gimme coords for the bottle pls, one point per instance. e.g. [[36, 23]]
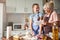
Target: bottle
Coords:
[[8, 34], [55, 31], [44, 37]]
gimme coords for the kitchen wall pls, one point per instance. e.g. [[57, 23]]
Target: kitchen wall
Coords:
[[17, 17], [57, 5]]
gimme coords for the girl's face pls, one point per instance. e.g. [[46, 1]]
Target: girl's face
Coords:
[[36, 9]]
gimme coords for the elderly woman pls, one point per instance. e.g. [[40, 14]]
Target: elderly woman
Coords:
[[50, 16]]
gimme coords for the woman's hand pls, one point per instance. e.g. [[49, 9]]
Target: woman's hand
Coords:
[[39, 33], [40, 37], [44, 23]]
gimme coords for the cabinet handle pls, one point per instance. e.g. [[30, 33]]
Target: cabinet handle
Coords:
[[25, 9]]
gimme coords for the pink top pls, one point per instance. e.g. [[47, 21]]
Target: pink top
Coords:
[[53, 17]]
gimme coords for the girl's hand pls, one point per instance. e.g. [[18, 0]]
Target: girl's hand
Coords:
[[33, 33]]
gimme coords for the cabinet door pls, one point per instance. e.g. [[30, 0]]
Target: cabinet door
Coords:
[[20, 6], [11, 6], [29, 4]]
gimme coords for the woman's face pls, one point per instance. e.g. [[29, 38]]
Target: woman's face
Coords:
[[47, 10], [36, 8]]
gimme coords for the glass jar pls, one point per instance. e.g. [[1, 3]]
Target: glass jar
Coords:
[[55, 31]]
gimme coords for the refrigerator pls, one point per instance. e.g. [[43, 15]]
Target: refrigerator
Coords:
[[2, 19]]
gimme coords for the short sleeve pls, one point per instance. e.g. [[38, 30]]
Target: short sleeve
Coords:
[[30, 17], [40, 14], [53, 17]]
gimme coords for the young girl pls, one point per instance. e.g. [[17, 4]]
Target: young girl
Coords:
[[34, 19]]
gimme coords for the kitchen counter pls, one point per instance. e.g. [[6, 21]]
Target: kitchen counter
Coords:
[[11, 38], [17, 32]]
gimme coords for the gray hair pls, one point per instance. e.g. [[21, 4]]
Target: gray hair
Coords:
[[49, 5]]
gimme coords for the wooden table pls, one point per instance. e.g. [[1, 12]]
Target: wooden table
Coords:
[[11, 38]]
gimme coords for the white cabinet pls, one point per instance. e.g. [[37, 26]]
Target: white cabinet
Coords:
[[10, 6], [28, 6], [22, 6], [11, 3], [11, 10]]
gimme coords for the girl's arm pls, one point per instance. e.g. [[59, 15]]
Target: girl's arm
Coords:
[[30, 21], [31, 27]]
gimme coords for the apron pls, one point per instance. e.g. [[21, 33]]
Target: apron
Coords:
[[35, 27], [47, 28]]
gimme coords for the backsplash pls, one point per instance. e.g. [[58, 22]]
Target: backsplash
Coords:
[[17, 17]]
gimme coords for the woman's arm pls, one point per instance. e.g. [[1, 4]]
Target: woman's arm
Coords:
[[53, 17], [40, 26]]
